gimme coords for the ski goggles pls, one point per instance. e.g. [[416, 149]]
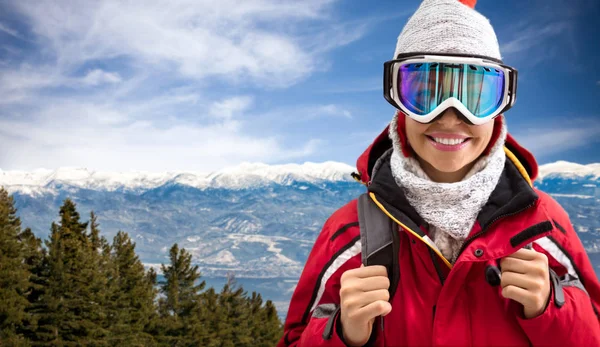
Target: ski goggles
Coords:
[[424, 85]]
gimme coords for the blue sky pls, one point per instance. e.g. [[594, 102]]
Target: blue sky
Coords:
[[200, 85]]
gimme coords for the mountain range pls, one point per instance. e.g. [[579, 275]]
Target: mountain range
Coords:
[[257, 221]]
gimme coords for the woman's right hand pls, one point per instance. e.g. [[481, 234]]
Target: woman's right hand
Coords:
[[364, 295]]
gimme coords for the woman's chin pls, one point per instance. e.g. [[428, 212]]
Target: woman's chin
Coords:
[[448, 167]]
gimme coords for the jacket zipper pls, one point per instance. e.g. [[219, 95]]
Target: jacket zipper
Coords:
[[487, 228]]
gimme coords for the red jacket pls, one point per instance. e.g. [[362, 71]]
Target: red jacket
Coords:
[[439, 304]]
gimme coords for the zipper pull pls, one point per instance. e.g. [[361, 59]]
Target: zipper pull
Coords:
[[559, 295], [381, 322]]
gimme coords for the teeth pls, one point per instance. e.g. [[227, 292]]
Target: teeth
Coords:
[[449, 142]]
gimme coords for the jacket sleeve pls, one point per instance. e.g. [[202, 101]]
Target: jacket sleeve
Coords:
[[313, 315], [571, 317]]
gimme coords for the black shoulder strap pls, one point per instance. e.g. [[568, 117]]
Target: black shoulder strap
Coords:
[[379, 239]]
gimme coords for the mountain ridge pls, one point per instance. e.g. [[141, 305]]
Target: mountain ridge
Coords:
[[245, 175], [238, 177]]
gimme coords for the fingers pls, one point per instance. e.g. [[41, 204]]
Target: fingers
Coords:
[[529, 299], [359, 292], [351, 286], [536, 267], [373, 283], [526, 254], [365, 278], [516, 293], [366, 298], [516, 265], [519, 280], [366, 271], [374, 309]]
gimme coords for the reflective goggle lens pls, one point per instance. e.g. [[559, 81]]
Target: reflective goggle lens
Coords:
[[423, 86]]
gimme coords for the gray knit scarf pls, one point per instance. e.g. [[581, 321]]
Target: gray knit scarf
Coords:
[[450, 209]]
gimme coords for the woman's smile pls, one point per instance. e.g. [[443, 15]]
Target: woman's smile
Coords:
[[448, 142]]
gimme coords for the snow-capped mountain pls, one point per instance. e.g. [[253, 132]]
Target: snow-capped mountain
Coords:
[[566, 169], [255, 220], [246, 175], [264, 216]]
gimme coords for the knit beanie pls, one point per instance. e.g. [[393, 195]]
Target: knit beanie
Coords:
[[446, 26]]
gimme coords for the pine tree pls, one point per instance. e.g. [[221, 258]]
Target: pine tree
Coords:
[[255, 307], [70, 312], [271, 329], [179, 308], [234, 319], [99, 275], [97, 241], [14, 274], [131, 295], [36, 261], [211, 319], [235, 314]]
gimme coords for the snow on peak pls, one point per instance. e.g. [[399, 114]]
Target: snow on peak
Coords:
[[250, 174], [223, 257], [44, 180], [568, 169], [242, 176]]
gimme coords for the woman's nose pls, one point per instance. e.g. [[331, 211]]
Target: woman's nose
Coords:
[[449, 117]]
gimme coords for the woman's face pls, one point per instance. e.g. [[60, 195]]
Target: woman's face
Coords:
[[448, 147]]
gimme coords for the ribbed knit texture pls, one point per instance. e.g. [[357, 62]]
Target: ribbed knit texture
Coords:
[[450, 209], [448, 26]]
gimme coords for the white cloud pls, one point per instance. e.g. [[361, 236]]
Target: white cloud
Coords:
[[9, 31], [101, 137], [265, 41], [532, 36], [229, 107], [97, 76], [285, 116], [21, 85], [332, 110], [546, 141], [17, 85], [355, 86]]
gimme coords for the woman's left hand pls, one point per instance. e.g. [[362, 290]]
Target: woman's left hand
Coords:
[[526, 279]]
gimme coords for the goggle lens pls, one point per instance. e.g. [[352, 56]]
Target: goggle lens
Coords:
[[421, 87]]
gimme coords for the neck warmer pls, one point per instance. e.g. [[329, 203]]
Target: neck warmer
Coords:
[[449, 209]]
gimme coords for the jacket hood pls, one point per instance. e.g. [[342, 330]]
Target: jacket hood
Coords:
[[366, 161]]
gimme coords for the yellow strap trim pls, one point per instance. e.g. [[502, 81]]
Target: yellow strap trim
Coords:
[[409, 230], [520, 167]]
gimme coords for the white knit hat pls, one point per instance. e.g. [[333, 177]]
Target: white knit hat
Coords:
[[448, 26]]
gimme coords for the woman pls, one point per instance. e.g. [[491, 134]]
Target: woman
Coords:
[[458, 188]]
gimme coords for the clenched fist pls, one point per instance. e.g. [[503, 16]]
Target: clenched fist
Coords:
[[526, 279], [364, 295]]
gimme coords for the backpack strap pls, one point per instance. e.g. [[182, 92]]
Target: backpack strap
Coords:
[[380, 242]]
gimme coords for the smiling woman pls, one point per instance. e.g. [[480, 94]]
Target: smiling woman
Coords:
[[449, 215]]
